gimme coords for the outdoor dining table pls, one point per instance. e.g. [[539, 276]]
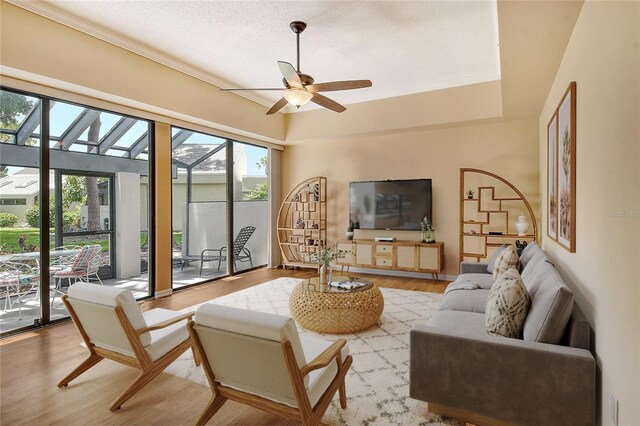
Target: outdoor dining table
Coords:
[[35, 255]]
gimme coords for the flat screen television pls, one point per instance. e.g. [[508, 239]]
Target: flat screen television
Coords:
[[390, 204]]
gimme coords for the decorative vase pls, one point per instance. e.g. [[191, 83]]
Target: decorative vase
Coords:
[[325, 274], [316, 192], [522, 225], [349, 235], [423, 236], [430, 236]]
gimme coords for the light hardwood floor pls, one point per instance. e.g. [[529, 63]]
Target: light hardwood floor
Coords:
[[32, 363]]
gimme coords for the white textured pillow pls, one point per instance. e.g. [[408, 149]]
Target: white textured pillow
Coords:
[[507, 305], [508, 259]]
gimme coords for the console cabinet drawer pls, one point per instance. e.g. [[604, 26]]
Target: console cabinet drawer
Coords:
[[384, 262], [384, 249]]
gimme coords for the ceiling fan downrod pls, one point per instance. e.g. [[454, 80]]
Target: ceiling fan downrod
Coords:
[[298, 27]]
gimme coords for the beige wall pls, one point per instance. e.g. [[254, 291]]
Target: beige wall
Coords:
[[507, 148], [603, 58]]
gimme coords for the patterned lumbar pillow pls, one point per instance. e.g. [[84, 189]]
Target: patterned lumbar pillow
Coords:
[[508, 259], [507, 305]]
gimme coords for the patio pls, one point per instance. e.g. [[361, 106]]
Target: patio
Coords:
[[11, 318]]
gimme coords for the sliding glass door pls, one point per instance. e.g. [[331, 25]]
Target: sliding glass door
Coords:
[[208, 173], [199, 207], [250, 207], [92, 181]]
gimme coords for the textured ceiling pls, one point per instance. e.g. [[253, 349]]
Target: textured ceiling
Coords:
[[402, 47]]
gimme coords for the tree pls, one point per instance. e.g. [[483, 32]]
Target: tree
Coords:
[[260, 192], [12, 106], [74, 189], [93, 194], [262, 163]]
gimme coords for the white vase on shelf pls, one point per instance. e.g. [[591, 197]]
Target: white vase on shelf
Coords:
[[522, 225]]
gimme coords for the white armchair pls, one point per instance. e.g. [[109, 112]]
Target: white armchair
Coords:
[[113, 326], [259, 359]]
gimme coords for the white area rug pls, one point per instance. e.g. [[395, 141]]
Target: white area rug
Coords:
[[378, 381]]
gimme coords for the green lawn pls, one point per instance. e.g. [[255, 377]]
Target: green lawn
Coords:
[[9, 239]]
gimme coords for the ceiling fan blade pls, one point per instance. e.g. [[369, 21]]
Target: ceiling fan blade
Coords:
[[327, 103], [235, 90], [277, 106], [289, 73], [339, 85]]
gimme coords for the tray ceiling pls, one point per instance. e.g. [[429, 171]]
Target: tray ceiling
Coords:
[[402, 47]]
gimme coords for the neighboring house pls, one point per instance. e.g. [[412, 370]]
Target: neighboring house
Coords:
[[18, 192]]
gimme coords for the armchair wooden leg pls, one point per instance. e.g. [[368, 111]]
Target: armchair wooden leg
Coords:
[[84, 366], [343, 395], [212, 407], [144, 378]]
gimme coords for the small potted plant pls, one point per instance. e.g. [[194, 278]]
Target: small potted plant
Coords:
[[470, 194], [350, 231], [427, 234]]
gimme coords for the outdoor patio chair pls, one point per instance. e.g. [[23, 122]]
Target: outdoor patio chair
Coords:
[[86, 263], [259, 359], [113, 326], [240, 252], [17, 279]]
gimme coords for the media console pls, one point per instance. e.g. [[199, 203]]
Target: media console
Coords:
[[397, 255]]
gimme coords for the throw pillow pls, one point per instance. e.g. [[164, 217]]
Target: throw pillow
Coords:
[[492, 260], [507, 305], [508, 259]]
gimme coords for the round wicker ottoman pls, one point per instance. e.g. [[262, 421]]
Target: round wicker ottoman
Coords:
[[324, 309]]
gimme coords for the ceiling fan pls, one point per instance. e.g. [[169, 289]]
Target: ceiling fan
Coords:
[[300, 88]]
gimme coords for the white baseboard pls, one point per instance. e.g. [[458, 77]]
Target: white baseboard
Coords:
[[163, 293], [396, 273]]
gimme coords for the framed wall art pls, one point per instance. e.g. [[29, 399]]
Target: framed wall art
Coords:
[[561, 172], [552, 178]]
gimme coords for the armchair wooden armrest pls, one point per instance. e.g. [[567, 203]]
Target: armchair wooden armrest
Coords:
[[164, 324], [322, 360], [140, 302]]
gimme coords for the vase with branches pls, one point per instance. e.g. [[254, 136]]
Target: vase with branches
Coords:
[[324, 256]]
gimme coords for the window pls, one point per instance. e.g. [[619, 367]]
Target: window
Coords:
[[91, 195], [13, 202]]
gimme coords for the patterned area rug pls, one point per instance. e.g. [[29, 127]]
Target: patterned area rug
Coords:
[[378, 381]]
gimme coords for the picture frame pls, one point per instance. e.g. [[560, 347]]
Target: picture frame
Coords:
[[552, 177], [561, 172]]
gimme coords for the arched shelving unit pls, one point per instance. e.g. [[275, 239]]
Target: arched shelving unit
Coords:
[[487, 218], [302, 223]]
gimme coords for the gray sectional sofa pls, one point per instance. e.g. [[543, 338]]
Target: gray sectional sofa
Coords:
[[546, 378]]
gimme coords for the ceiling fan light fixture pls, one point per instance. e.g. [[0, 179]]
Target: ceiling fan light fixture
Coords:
[[298, 97]]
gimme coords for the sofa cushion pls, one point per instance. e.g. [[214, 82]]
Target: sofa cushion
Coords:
[[484, 281], [507, 259], [466, 322], [492, 260], [507, 305], [466, 300], [529, 271], [551, 304]]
